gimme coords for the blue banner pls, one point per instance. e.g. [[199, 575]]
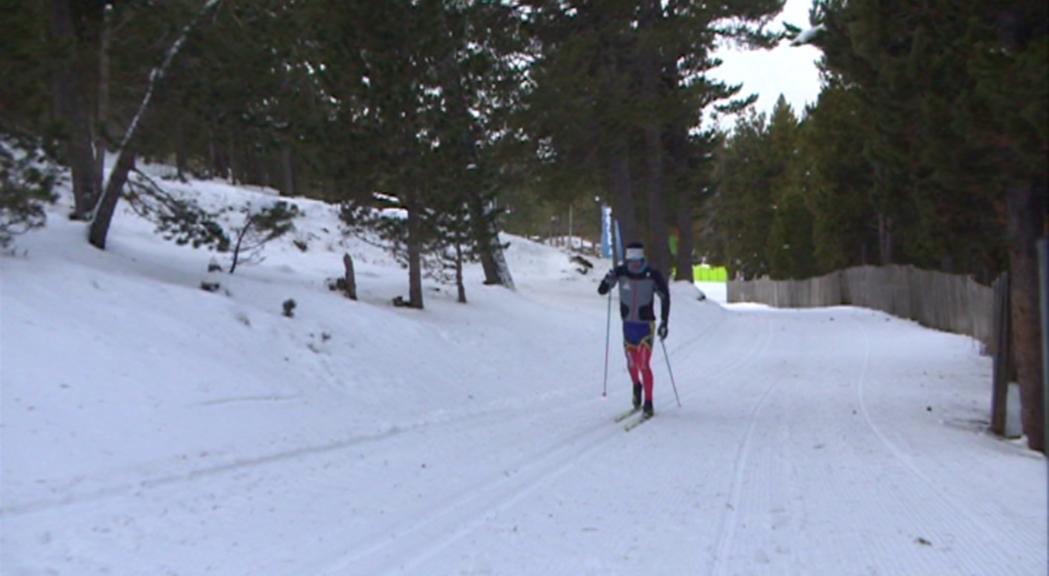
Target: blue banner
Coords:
[[606, 232], [619, 242]]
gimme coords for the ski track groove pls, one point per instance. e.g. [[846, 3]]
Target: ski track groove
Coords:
[[730, 518], [502, 501], [948, 508], [530, 471], [243, 463], [756, 348]]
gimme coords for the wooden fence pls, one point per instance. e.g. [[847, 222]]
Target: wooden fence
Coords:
[[947, 302]]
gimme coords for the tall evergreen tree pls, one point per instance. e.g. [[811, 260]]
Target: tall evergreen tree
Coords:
[[618, 86], [955, 97]]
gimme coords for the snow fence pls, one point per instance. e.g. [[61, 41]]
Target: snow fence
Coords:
[[942, 301]]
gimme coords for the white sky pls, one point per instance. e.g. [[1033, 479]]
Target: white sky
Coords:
[[786, 70]]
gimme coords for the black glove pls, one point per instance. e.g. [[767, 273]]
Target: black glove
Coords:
[[606, 284], [662, 331]]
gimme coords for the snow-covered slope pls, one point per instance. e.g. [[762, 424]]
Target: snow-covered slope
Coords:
[[150, 427]]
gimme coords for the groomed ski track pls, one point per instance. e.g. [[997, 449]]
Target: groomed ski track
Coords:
[[795, 452], [817, 442]]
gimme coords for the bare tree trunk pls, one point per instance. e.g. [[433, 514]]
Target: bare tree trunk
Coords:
[[350, 277], [658, 252], [215, 168], [233, 161], [678, 151], [108, 203], [287, 170], [415, 276], [240, 239], [71, 107], [102, 110], [684, 242], [180, 151], [1025, 206], [459, 273], [481, 238], [620, 189], [884, 239]]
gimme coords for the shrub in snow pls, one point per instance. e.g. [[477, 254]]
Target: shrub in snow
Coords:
[[178, 219], [440, 241], [289, 307], [584, 265], [27, 180], [259, 227], [210, 286]]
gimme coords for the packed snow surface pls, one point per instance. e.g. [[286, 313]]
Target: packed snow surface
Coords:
[[152, 428]]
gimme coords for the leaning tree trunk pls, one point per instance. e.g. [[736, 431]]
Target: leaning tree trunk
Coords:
[[1025, 206], [107, 202], [71, 108]]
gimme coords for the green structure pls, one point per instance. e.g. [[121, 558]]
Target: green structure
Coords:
[[702, 273]]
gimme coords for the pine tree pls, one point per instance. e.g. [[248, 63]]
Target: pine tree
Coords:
[[744, 197], [954, 95], [840, 181]]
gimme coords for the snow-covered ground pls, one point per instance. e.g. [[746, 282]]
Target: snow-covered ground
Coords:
[[149, 427], [716, 291]]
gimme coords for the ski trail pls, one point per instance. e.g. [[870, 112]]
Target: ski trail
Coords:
[[412, 546], [530, 472], [947, 507], [730, 519], [681, 354], [450, 421]]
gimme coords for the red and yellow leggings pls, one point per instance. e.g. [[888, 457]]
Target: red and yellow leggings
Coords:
[[637, 343]]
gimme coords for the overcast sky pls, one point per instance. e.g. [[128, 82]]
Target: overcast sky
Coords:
[[786, 70]]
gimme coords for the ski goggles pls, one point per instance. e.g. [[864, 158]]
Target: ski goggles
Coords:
[[635, 254]]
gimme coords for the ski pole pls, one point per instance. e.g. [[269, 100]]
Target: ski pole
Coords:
[[671, 372], [608, 335]]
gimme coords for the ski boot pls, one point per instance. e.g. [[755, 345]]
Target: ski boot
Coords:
[[647, 410], [637, 396]]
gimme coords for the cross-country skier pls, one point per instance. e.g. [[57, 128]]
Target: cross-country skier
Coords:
[[638, 286]]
